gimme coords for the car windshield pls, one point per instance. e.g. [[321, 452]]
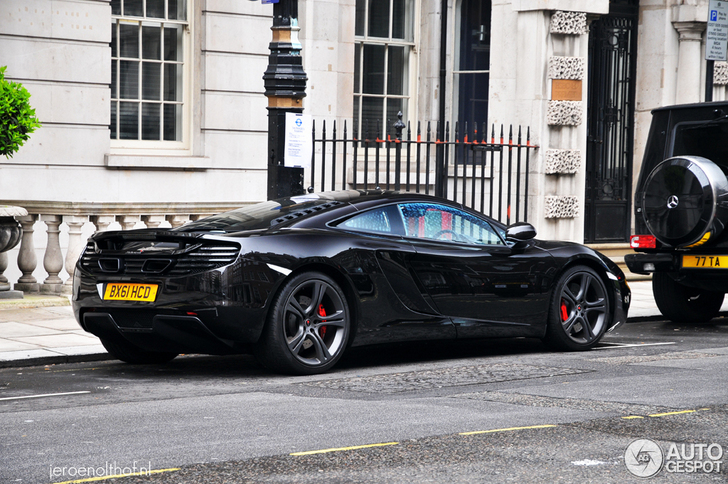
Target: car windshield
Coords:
[[260, 215]]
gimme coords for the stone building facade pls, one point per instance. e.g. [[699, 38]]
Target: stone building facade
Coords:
[[160, 103]]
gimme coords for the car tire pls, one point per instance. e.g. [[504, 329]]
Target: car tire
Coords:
[[579, 311], [129, 353], [684, 200], [683, 304], [308, 326]]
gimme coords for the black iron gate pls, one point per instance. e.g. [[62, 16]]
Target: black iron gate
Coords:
[[486, 170], [610, 128]]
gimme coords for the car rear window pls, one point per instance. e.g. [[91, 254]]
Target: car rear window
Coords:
[[706, 139], [261, 215]]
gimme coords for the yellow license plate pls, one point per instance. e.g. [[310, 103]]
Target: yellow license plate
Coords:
[[705, 261], [130, 292]]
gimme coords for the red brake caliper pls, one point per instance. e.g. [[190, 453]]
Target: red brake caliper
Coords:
[[322, 313], [564, 311]]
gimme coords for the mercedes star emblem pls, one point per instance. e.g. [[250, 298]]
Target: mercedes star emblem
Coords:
[[672, 201]]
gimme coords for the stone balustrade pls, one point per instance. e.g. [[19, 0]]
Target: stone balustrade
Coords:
[[76, 215]]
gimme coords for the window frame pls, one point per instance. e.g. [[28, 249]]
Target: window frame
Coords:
[[399, 224], [183, 146], [453, 211], [410, 43]]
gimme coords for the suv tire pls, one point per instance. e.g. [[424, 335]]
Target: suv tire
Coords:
[[684, 199], [683, 304]]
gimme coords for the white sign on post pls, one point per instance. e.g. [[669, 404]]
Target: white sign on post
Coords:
[[298, 142], [716, 35]]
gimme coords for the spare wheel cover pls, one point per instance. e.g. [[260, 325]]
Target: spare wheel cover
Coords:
[[683, 198]]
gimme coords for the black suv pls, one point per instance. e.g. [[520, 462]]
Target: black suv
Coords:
[[681, 211]]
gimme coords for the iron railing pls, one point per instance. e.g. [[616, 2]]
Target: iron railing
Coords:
[[488, 174]]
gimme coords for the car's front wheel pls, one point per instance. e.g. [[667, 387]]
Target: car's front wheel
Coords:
[[129, 353], [308, 326], [579, 310], [683, 304]]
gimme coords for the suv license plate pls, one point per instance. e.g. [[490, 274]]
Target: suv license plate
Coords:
[[130, 292], [705, 261]]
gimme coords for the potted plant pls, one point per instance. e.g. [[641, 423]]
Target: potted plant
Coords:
[[17, 117]]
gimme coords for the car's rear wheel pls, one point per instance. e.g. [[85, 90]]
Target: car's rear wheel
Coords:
[[683, 304], [579, 310], [684, 199], [308, 326], [129, 353]]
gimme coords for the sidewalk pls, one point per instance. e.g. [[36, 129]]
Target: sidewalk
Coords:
[[41, 330]]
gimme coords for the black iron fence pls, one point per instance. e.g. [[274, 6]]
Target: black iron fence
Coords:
[[485, 173]]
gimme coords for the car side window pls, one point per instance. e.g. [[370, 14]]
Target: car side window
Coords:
[[385, 220], [446, 224]]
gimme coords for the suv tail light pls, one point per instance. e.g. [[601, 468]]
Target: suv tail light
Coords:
[[643, 242]]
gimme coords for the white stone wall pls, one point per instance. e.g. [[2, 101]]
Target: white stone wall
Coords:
[[535, 42], [59, 50], [327, 36]]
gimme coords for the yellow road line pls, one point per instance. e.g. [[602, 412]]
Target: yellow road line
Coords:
[[632, 416], [103, 478], [506, 430], [671, 413], [339, 449]]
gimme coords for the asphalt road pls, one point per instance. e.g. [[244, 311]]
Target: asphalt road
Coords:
[[478, 411]]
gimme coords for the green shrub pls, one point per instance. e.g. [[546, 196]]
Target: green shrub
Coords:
[[17, 118]]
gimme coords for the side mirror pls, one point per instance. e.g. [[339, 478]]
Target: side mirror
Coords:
[[520, 232]]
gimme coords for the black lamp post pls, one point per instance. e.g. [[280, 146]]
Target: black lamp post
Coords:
[[285, 88]]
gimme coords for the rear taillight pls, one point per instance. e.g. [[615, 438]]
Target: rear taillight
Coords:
[[643, 242]]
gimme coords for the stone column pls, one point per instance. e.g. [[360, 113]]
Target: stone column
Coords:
[[53, 259], [689, 63], [102, 222], [127, 222], [75, 245], [152, 221], [690, 19], [27, 261], [177, 220]]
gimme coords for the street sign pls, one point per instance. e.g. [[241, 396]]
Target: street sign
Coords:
[[716, 36]]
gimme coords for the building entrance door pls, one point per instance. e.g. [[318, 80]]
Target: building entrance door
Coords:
[[610, 123]]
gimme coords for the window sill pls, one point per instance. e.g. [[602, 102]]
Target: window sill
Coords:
[[158, 162]]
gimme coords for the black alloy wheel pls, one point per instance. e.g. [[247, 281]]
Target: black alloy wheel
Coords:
[[579, 310], [129, 353], [308, 326], [683, 304]]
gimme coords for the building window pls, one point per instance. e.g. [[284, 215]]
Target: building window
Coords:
[[384, 55], [147, 69], [473, 74]]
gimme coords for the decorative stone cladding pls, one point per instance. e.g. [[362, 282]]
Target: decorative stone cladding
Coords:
[[561, 207], [570, 23], [561, 67], [564, 113], [720, 73], [562, 162]]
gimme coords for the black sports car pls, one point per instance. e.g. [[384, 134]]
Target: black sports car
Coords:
[[300, 279]]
